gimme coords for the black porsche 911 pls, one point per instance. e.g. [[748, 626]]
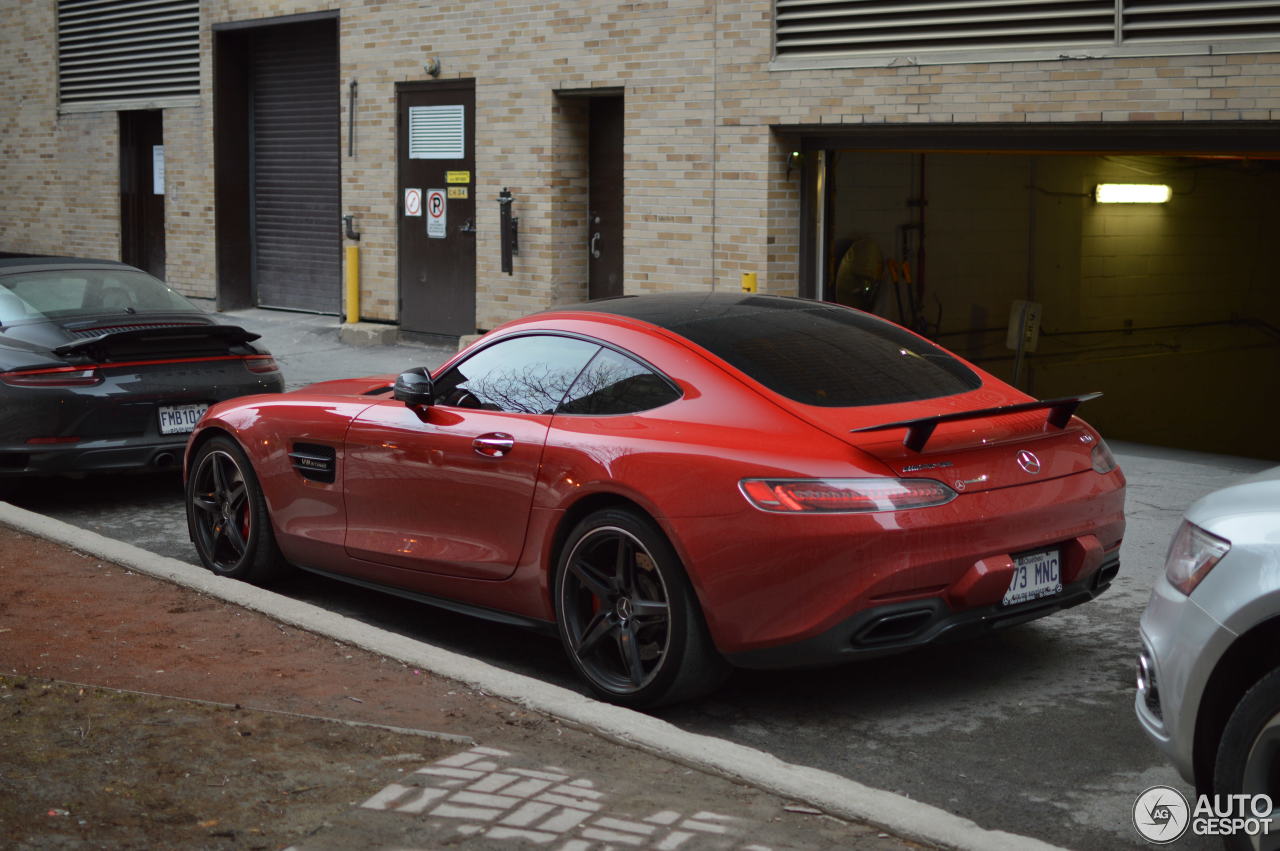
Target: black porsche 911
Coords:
[[103, 368]]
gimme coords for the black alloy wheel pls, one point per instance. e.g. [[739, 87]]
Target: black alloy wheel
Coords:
[[628, 617], [227, 515]]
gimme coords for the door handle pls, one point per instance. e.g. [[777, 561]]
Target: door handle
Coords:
[[495, 444], [595, 252]]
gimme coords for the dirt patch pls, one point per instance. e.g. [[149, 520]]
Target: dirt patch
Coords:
[[89, 767], [108, 738]]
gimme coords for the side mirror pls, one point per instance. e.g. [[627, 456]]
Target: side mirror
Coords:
[[413, 388]]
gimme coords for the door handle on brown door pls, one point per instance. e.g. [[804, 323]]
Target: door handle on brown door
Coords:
[[595, 252], [495, 444]]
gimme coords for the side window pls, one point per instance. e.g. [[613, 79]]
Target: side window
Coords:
[[615, 384], [525, 375]]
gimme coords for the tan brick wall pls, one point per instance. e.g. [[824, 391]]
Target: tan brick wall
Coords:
[[58, 175], [707, 197], [188, 201]]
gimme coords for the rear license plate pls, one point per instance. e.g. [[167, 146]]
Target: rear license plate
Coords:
[[180, 419], [1035, 575]]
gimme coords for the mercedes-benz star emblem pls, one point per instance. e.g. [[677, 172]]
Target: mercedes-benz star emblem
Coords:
[[1029, 462]]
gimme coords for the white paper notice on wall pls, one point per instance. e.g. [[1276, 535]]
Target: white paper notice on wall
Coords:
[[1024, 326], [436, 213], [413, 202], [157, 169]]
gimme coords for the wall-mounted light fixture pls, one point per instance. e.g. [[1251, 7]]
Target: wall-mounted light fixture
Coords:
[[432, 66], [1132, 193], [795, 159]]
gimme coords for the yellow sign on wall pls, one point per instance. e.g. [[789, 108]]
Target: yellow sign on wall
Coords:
[[458, 192], [457, 177]]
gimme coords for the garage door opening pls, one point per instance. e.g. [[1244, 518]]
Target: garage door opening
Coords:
[[1171, 309], [277, 170]]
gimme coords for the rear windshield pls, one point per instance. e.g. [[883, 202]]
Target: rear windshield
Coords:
[[69, 293], [812, 352]]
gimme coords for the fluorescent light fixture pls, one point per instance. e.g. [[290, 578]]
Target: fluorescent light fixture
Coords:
[[1132, 193]]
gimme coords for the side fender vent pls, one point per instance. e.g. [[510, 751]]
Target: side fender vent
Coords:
[[314, 461]]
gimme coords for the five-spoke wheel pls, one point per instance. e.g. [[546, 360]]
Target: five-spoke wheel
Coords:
[[627, 615], [227, 515]]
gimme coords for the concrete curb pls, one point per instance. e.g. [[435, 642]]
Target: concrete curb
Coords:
[[831, 793]]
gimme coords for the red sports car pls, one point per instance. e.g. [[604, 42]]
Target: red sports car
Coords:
[[677, 484]]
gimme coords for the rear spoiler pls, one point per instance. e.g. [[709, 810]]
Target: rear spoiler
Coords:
[[230, 334], [919, 431]]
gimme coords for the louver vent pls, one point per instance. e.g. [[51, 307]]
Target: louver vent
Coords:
[[817, 28], [128, 50], [437, 132], [1185, 20], [809, 27]]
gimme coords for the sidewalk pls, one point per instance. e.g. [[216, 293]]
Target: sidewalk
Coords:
[[123, 758], [309, 349]]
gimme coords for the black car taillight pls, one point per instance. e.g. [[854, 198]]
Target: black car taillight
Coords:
[[59, 376], [261, 364]]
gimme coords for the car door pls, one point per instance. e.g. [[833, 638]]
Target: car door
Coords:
[[448, 488]]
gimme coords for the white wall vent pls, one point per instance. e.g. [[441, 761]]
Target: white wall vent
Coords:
[[437, 132], [1186, 20], [832, 28], [128, 50]]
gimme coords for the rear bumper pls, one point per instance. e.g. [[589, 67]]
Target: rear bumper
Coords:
[[114, 426], [768, 580], [894, 628], [125, 455]]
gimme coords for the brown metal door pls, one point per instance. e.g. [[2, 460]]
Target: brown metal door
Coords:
[[142, 190], [437, 207], [604, 222]]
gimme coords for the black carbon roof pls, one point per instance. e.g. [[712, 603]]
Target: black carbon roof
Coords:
[[671, 310], [813, 352]]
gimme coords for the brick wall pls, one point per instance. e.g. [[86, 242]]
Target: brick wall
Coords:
[[58, 177], [708, 193]]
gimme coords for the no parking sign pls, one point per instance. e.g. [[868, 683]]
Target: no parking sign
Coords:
[[436, 213]]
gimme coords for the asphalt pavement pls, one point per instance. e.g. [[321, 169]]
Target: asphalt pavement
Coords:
[[1030, 732]]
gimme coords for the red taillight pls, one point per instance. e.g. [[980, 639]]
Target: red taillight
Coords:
[[1103, 460], [844, 496], [47, 440], [60, 376], [261, 363]]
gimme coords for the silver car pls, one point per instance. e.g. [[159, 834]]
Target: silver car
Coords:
[[1209, 672]]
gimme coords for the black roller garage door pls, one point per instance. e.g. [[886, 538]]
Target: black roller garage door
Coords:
[[296, 142]]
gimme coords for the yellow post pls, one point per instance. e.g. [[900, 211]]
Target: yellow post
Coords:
[[748, 282], [353, 284]]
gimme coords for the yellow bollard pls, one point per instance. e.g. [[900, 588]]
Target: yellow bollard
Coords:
[[353, 284], [748, 282]]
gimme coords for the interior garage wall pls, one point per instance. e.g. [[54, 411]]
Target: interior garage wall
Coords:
[[1152, 304]]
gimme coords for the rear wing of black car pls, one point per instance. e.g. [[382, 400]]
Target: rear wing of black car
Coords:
[[919, 431], [193, 339]]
